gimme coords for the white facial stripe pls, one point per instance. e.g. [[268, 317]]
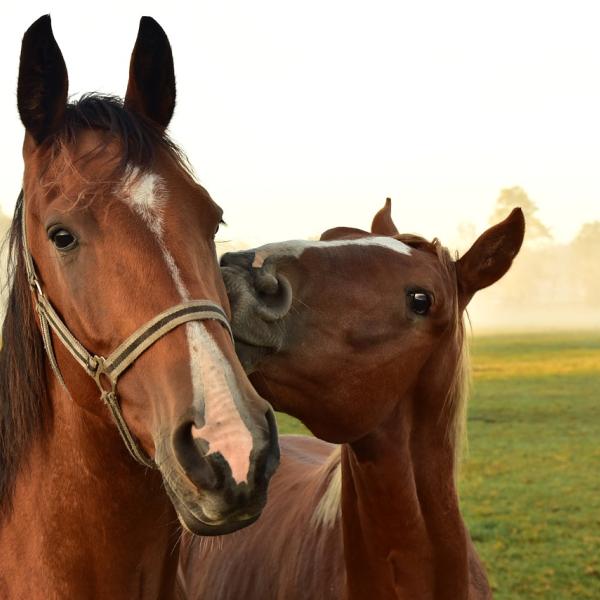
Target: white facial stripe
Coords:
[[146, 192], [213, 381], [295, 248]]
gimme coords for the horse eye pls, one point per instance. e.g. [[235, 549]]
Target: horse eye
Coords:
[[419, 302], [63, 239]]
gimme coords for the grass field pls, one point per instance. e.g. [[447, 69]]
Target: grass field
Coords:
[[530, 485]]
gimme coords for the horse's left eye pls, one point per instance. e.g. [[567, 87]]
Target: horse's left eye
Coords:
[[419, 302], [62, 239]]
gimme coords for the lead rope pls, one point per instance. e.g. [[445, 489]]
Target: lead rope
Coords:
[[106, 371]]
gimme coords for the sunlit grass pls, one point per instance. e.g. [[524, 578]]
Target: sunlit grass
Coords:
[[530, 486]]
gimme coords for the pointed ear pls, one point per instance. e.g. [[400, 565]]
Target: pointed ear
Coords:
[[43, 81], [490, 256], [151, 87], [382, 221]]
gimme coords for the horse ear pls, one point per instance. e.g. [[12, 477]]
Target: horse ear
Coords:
[[382, 221], [43, 81], [151, 87], [490, 257], [342, 233]]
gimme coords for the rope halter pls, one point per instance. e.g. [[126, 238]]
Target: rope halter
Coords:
[[105, 371]]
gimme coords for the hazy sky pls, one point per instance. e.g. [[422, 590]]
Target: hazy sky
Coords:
[[306, 115]]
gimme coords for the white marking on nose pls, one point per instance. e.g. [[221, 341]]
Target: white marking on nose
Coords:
[[213, 381], [295, 248]]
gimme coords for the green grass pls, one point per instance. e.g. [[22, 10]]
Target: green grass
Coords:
[[530, 485]]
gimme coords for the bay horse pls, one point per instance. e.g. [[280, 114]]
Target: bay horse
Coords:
[[361, 337], [116, 302]]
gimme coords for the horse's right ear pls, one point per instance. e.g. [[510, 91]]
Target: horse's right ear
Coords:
[[43, 81], [382, 221], [490, 257]]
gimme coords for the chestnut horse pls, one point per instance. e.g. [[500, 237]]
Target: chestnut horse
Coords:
[[116, 298], [361, 337]]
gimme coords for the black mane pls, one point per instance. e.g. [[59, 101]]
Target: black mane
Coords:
[[139, 137], [24, 407]]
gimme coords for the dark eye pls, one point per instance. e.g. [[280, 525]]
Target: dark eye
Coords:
[[419, 302], [62, 239]]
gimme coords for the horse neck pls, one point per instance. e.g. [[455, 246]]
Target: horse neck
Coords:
[[88, 518], [403, 533]]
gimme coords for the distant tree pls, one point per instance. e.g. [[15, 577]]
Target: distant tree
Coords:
[[588, 238], [516, 197], [586, 251]]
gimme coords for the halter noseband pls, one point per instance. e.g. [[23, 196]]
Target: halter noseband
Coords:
[[105, 371]]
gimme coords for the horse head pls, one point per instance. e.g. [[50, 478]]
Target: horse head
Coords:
[[118, 232], [336, 331]]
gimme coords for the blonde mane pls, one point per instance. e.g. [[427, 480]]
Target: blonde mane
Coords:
[[328, 510], [457, 401], [457, 398]]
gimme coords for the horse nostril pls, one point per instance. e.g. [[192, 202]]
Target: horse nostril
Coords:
[[275, 297], [272, 454], [265, 283], [191, 455]]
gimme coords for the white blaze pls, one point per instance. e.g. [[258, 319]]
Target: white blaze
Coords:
[[213, 381], [295, 248]]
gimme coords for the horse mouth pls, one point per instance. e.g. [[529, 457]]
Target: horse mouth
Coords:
[[197, 522]]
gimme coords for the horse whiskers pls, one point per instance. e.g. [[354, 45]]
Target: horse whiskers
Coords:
[[294, 309], [207, 543], [297, 300], [177, 543], [305, 305]]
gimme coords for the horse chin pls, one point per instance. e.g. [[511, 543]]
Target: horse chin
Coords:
[[195, 520], [197, 526]]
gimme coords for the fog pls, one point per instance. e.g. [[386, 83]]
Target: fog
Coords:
[[556, 287], [303, 116], [551, 286]]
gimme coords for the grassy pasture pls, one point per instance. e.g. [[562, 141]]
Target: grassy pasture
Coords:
[[530, 485]]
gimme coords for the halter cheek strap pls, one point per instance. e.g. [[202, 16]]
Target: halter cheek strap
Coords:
[[105, 371]]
